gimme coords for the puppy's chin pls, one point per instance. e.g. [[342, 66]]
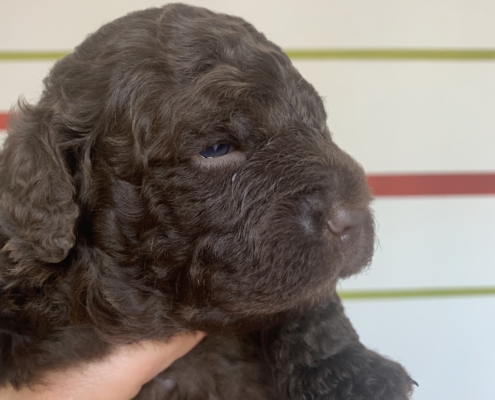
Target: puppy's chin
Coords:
[[215, 320], [250, 297], [280, 257]]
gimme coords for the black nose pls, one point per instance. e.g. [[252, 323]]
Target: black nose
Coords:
[[346, 224]]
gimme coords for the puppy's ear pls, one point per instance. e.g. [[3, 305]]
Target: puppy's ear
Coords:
[[37, 208]]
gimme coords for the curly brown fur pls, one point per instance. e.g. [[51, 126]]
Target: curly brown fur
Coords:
[[114, 229]]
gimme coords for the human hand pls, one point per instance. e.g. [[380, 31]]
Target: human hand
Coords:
[[118, 376]]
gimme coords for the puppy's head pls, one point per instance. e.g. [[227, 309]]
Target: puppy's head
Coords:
[[177, 164]]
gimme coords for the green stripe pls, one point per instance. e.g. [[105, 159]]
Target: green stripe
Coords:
[[415, 293], [317, 54], [31, 55], [392, 54]]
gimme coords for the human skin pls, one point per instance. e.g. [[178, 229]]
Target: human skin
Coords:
[[119, 376]]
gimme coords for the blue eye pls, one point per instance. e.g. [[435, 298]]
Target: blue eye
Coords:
[[216, 150]]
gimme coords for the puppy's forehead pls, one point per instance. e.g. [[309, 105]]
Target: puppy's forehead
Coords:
[[197, 73], [224, 65], [250, 104]]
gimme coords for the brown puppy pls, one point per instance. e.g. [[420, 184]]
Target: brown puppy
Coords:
[[178, 174]]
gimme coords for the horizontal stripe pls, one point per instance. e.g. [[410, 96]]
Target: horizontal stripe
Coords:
[[393, 54], [432, 184], [31, 55], [3, 121], [414, 185], [415, 293], [318, 54]]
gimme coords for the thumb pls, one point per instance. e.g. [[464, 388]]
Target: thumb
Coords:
[[119, 376]]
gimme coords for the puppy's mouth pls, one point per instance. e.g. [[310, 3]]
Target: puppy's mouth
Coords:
[[300, 254]]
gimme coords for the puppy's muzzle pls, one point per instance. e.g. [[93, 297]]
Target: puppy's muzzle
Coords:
[[346, 224]]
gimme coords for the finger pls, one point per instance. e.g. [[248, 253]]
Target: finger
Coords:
[[148, 359], [119, 376]]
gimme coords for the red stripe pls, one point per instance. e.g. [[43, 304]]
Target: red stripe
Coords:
[[3, 121], [414, 185], [432, 184]]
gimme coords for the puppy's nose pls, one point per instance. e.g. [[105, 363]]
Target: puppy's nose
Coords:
[[346, 224]]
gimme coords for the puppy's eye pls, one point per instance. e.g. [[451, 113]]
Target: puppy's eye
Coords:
[[216, 150]]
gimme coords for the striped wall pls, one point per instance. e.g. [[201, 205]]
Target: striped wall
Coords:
[[410, 92]]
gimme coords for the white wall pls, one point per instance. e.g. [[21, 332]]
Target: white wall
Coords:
[[394, 117]]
